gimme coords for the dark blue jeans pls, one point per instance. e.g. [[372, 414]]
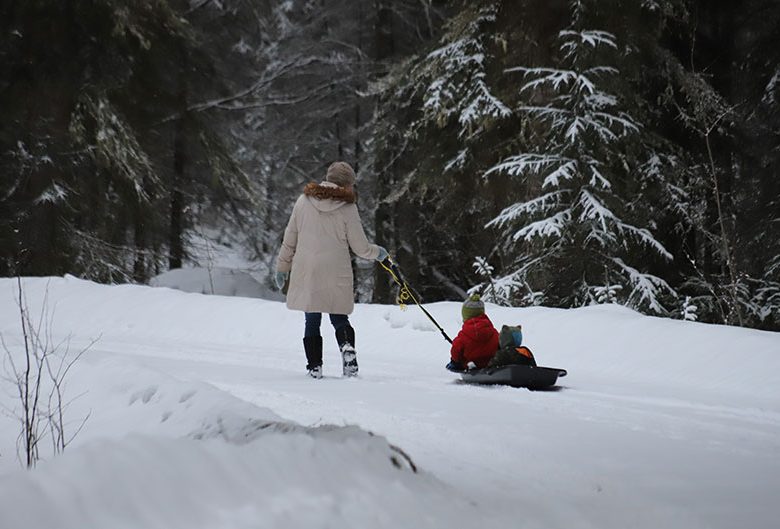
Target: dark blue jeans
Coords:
[[314, 319]]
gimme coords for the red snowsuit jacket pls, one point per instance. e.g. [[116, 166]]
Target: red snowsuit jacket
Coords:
[[476, 342]]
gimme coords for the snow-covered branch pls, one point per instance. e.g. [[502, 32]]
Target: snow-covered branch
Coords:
[[647, 288]]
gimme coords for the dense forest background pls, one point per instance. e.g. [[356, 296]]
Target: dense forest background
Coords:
[[563, 153]]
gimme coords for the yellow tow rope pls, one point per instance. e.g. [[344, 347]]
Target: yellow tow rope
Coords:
[[405, 293]]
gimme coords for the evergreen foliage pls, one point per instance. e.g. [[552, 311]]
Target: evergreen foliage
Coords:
[[436, 123], [573, 236], [101, 157], [632, 167], [562, 152]]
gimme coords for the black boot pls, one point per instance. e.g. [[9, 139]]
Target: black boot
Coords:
[[313, 347], [345, 336]]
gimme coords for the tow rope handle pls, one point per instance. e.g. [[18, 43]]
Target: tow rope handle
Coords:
[[407, 293]]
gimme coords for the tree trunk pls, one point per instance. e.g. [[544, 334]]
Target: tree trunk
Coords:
[[139, 265], [176, 234], [383, 31]]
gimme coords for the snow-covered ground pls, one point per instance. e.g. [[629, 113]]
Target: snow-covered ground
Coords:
[[201, 415], [220, 281]]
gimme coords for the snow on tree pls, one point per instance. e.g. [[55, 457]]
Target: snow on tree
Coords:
[[459, 89], [573, 235], [688, 311], [438, 116], [111, 161]]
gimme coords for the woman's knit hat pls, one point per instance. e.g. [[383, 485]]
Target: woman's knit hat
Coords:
[[472, 307], [341, 174]]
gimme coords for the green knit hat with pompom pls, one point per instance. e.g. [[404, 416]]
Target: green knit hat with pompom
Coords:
[[472, 307]]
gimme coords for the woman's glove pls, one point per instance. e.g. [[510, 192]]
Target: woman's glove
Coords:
[[382, 255], [280, 278]]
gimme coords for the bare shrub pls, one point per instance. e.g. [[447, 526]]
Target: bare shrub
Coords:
[[38, 375]]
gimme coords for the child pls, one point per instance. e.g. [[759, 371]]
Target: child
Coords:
[[510, 348], [477, 340]]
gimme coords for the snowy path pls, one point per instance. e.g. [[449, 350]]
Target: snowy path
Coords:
[[615, 458], [629, 440]]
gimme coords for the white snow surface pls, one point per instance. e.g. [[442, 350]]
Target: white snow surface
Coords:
[[201, 416]]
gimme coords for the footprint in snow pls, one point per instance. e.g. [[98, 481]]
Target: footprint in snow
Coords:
[[145, 395]]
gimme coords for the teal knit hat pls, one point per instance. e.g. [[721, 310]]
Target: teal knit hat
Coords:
[[472, 307]]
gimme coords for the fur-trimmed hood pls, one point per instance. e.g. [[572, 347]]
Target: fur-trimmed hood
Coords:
[[327, 196]]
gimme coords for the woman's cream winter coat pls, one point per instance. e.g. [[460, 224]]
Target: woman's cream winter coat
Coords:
[[323, 227]]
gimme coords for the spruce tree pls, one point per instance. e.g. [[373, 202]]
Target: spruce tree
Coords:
[[573, 236]]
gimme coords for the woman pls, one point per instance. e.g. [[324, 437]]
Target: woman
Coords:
[[315, 257]]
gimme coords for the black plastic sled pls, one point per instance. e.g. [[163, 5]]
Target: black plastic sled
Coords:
[[517, 376]]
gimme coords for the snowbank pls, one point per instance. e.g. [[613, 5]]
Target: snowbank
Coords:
[[159, 452], [216, 281]]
